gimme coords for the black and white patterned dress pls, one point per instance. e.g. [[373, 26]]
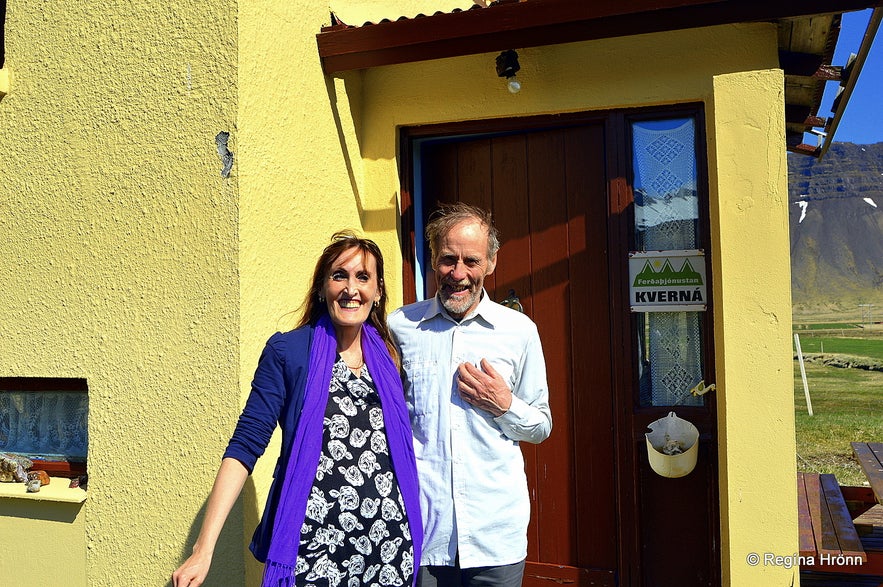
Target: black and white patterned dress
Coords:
[[355, 531]]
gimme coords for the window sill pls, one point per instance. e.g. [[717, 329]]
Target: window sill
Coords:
[[57, 490]]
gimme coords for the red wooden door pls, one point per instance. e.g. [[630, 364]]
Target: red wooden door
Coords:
[[597, 511], [548, 194]]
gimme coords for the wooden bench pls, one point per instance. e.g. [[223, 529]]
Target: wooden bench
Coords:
[[870, 457], [869, 520], [825, 525]]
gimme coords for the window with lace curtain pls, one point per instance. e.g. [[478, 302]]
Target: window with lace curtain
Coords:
[[45, 419], [667, 218]]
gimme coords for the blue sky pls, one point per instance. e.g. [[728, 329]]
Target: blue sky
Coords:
[[862, 123]]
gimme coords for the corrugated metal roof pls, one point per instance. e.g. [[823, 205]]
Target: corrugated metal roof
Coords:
[[337, 22]]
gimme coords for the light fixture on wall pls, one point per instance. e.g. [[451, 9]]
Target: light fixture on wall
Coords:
[[507, 67]]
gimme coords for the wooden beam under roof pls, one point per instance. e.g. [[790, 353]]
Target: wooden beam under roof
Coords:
[[808, 65]]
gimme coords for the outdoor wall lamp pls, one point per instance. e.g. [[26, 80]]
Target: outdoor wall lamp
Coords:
[[507, 66]]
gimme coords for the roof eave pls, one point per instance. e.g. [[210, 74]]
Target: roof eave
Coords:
[[510, 25]]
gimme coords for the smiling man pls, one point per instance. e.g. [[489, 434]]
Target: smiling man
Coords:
[[475, 381]]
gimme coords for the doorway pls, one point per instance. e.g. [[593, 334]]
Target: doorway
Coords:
[[562, 193]]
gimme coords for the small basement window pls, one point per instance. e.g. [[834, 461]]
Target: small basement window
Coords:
[[45, 420]]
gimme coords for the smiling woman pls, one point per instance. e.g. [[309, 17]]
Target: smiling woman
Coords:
[[346, 244], [350, 292], [346, 478]]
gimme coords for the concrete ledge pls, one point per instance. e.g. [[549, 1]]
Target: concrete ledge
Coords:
[[57, 490]]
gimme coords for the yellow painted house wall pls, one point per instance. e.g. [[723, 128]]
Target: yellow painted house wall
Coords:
[[127, 258], [119, 264]]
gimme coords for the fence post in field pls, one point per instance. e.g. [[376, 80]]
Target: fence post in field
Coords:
[[803, 373]]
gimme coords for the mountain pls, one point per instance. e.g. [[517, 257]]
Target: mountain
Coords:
[[836, 225]]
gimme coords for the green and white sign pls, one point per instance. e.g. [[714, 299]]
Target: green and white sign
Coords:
[[667, 281]]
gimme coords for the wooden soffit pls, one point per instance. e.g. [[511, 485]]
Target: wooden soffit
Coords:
[[516, 24]]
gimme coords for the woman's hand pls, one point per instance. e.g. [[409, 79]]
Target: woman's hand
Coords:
[[228, 484], [194, 570]]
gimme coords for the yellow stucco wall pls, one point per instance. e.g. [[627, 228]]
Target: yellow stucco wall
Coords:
[[32, 527], [129, 260], [119, 264], [753, 326]]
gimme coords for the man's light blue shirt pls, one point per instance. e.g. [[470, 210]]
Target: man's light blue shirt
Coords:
[[473, 490]]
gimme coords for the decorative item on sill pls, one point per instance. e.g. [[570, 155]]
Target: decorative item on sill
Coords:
[[14, 468], [672, 446], [80, 482], [41, 476]]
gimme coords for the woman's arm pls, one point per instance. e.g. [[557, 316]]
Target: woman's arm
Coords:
[[228, 485]]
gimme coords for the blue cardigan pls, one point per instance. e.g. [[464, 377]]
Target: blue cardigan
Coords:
[[277, 395]]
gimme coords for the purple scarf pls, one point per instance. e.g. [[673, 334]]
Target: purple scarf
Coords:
[[300, 471]]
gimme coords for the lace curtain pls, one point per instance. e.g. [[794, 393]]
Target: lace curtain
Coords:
[[666, 218], [44, 424]]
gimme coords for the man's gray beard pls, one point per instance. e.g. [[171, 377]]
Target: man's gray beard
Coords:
[[454, 308]]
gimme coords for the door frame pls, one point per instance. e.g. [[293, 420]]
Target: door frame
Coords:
[[630, 420]]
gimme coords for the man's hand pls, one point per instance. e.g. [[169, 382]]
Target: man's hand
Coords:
[[484, 388]]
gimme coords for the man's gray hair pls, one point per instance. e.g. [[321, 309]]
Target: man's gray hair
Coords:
[[449, 215]]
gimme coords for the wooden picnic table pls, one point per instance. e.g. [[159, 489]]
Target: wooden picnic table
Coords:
[[825, 524], [870, 457], [828, 529]]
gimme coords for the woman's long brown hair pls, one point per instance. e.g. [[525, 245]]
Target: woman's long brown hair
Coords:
[[313, 309]]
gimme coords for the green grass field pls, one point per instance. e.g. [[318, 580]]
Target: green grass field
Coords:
[[847, 406], [859, 347]]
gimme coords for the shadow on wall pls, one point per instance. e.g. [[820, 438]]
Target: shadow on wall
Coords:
[[46, 511], [347, 117], [250, 507], [232, 563]]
